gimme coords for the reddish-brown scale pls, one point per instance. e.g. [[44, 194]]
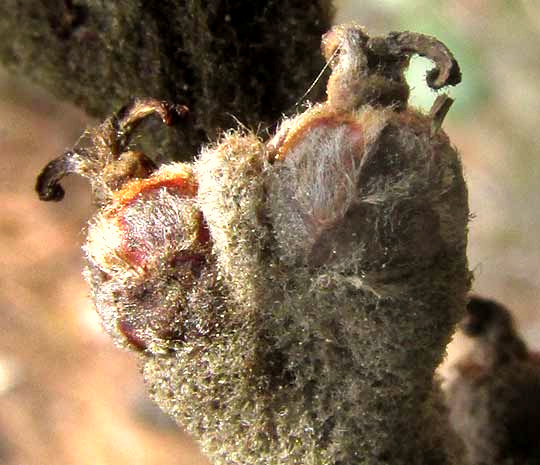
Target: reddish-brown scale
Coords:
[[203, 235], [133, 252], [185, 186], [329, 121], [130, 333], [137, 256], [180, 182]]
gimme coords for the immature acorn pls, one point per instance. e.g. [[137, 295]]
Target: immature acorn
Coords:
[[290, 299], [494, 392]]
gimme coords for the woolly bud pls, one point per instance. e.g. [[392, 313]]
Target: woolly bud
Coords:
[[290, 299], [149, 263]]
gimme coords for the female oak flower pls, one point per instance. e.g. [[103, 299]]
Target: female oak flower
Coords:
[[290, 298]]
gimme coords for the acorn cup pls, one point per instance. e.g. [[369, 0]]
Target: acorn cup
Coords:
[[290, 299]]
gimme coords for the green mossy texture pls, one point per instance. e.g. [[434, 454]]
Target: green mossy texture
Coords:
[[248, 59], [328, 364]]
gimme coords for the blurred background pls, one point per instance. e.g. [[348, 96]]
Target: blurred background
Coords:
[[67, 396]]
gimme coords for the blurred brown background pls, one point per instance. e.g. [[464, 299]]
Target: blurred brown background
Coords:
[[67, 396]]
